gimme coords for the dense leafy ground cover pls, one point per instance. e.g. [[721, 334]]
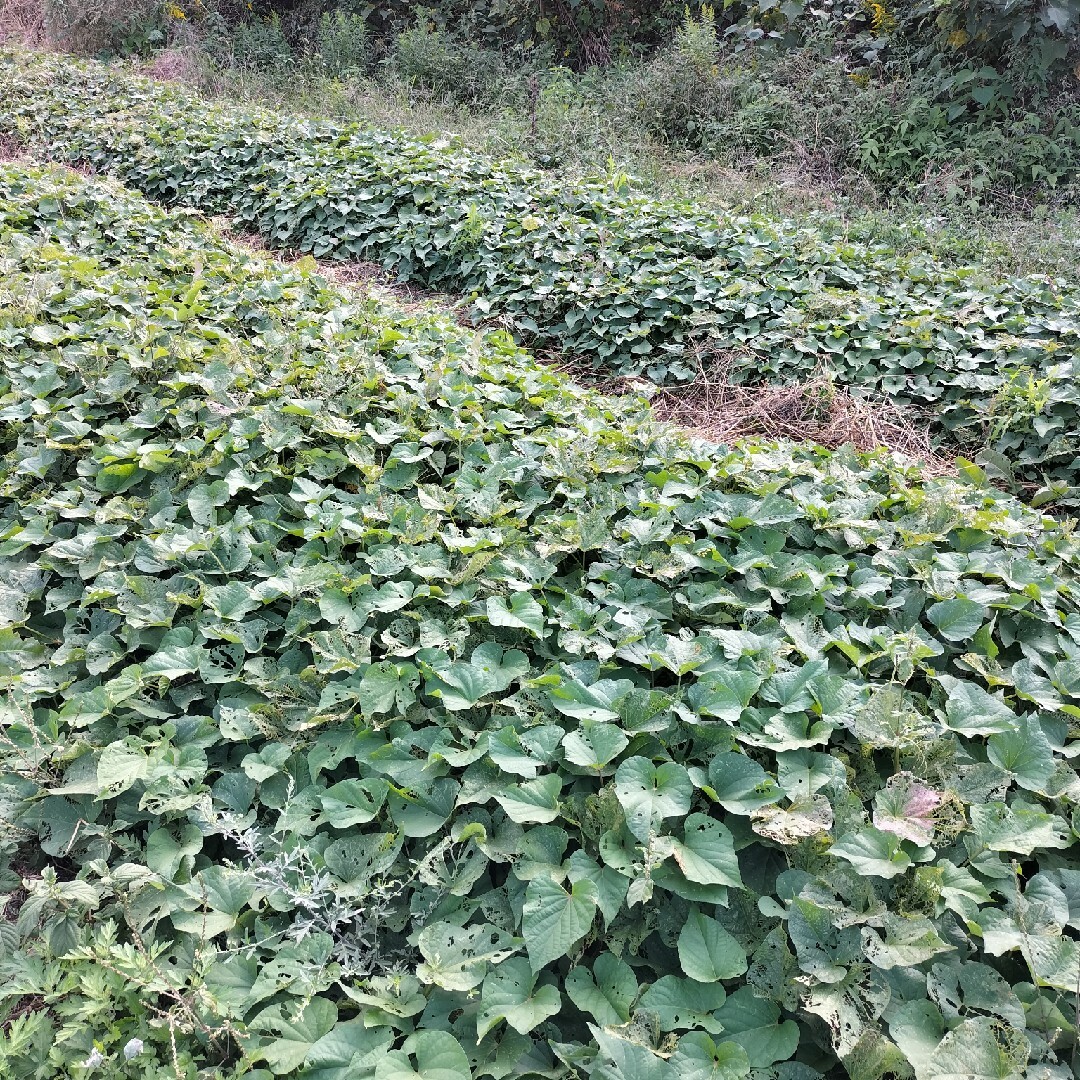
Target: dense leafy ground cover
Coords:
[[377, 704], [628, 283]]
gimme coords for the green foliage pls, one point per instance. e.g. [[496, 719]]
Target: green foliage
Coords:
[[1034, 35], [122, 27], [378, 704], [450, 67], [260, 44], [635, 285], [581, 32], [343, 43]]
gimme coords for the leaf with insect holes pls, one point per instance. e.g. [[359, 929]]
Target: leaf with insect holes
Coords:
[[554, 919], [648, 794]]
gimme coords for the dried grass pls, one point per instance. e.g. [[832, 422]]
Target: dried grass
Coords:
[[23, 21], [715, 408], [11, 150], [173, 65]]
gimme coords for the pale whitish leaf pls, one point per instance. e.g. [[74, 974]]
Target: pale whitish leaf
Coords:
[[457, 957], [907, 808], [1056, 962], [794, 823], [979, 1049], [1047, 890], [554, 920], [849, 1007], [889, 719], [707, 951], [1034, 923], [1018, 829], [962, 988], [522, 612], [873, 853], [909, 941]]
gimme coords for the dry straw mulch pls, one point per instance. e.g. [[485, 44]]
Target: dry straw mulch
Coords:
[[716, 408]]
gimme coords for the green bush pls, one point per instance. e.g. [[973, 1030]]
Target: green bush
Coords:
[[1030, 39], [376, 704], [343, 43], [259, 44], [680, 94], [451, 66]]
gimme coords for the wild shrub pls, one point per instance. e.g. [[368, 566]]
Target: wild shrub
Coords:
[[102, 26], [259, 44], [448, 65], [343, 42], [679, 93]]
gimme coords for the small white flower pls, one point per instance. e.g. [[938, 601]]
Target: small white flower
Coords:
[[94, 1060], [133, 1049]]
